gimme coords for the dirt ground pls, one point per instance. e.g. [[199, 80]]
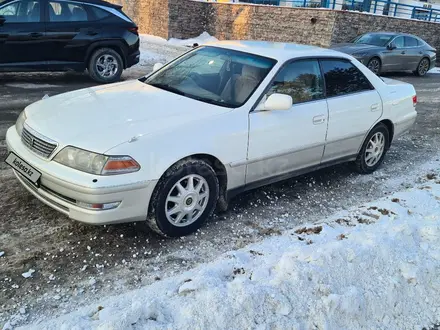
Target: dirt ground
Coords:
[[75, 264]]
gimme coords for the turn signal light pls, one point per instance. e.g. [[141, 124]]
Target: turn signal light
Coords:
[[120, 165]]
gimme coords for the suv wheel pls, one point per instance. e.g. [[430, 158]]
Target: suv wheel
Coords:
[[184, 198], [105, 66]]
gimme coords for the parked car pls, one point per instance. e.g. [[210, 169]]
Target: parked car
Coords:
[[222, 118], [391, 52], [60, 35]]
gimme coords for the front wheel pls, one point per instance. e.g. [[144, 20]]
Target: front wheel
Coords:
[[374, 65], [184, 198], [105, 66], [373, 150], [422, 68]]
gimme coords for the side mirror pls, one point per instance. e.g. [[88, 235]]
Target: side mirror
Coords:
[[391, 47], [157, 66], [2, 20], [276, 102]]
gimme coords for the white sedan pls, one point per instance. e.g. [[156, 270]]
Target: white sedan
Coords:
[[225, 117]]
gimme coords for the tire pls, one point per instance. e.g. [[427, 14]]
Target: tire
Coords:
[[105, 66], [367, 162], [375, 65], [189, 200], [423, 67]]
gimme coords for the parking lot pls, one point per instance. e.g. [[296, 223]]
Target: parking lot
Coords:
[[75, 263]]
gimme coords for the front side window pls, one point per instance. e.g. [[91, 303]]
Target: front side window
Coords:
[[66, 12], [302, 80], [214, 75], [21, 12], [399, 42], [342, 78], [375, 39]]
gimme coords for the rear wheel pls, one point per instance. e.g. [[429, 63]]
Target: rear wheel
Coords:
[[183, 199], [105, 66], [423, 67], [373, 150], [374, 65]]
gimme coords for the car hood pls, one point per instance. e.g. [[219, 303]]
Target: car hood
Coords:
[[100, 118], [350, 48]]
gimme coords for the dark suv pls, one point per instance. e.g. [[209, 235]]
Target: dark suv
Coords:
[[62, 35]]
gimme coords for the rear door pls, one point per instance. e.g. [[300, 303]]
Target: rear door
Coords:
[[21, 35], [70, 30], [354, 106]]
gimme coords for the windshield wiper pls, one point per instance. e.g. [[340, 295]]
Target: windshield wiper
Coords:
[[168, 88]]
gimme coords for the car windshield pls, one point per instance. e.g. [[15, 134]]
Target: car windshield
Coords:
[[214, 75], [373, 39]]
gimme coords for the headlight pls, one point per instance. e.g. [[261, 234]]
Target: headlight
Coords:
[[94, 163], [359, 55], [20, 122]]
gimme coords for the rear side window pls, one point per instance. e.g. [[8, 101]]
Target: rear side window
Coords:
[[98, 13], [411, 42], [301, 80], [67, 12], [342, 78]]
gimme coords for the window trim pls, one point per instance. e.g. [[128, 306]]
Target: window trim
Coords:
[[41, 2], [286, 64], [372, 88], [47, 15]]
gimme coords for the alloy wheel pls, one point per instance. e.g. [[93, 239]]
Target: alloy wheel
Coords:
[[423, 67], [375, 149], [107, 66], [374, 65], [187, 200]]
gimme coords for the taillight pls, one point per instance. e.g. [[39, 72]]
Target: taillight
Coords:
[[414, 100], [133, 30]]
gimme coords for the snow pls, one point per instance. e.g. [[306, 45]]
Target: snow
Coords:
[[434, 70], [205, 37], [375, 266], [28, 273], [2, 253]]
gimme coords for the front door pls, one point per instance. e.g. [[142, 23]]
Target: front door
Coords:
[[286, 141], [21, 35], [354, 106]]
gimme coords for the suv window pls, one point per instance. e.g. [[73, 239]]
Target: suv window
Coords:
[[21, 12], [302, 80], [411, 42], [342, 77], [67, 12], [98, 13]]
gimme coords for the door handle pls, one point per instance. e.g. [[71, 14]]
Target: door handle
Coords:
[[92, 33], [403, 53], [318, 119], [375, 107], [35, 35]]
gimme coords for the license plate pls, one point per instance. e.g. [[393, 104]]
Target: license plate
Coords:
[[23, 168]]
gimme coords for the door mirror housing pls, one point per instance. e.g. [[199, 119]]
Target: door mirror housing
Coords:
[[2, 20], [276, 101], [157, 66], [391, 46]]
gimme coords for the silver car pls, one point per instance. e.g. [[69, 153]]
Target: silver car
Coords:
[[391, 52]]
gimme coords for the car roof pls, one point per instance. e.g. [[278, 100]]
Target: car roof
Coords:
[[277, 50], [93, 2], [393, 33]]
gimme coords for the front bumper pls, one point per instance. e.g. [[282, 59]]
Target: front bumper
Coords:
[[61, 192]]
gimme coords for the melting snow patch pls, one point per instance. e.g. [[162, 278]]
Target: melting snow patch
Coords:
[[373, 267], [28, 273], [205, 37], [2, 253], [435, 70]]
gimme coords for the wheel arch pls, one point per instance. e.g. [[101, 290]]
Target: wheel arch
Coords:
[[389, 125], [219, 169]]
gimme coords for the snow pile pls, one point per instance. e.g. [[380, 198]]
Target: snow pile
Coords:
[[374, 267], [434, 70], [205, 37]]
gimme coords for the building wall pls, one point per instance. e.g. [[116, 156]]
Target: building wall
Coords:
[[185, 18]]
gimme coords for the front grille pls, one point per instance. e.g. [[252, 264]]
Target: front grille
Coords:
[[37, 144]]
